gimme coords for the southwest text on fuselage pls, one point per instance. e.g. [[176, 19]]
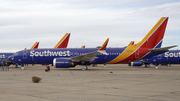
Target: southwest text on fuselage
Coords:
[[49, 53]]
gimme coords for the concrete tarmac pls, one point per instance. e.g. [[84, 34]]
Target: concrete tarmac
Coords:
[[113, 83]]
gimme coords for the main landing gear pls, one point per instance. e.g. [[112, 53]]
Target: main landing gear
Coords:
[[147, 65], [22, 67], [157, 67], [84, 67], [104, 65]]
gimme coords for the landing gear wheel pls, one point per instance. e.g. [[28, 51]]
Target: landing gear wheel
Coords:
[[157, 67], [104, 65], [84, 67], [146, 66], [22, 68]]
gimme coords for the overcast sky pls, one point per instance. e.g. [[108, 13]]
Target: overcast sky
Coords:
[[90, 22]]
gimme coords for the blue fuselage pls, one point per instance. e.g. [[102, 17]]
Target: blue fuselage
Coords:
[[46, 56], [171, 57], [4, 56]]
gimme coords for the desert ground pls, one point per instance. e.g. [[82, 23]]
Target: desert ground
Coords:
[[113, 83]]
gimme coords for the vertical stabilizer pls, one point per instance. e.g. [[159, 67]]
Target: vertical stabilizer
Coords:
[[151, 41], [63, 42], [103, 47], [131, 43], [155, 36], [83, 46], [35, 46]]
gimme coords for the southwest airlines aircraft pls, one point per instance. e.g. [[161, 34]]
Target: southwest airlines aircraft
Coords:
[[170, 57], [61, 44], [4, 56], [70, 57]]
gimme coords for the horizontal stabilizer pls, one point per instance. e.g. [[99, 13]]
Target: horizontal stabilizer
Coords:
[[162, 49]]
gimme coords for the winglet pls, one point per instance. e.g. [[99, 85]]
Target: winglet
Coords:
[[83, 46], [63, 42], [35, 46], [104, 45]]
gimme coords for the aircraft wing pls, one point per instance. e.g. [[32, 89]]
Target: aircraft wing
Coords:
[[162, 49], [87, 57]]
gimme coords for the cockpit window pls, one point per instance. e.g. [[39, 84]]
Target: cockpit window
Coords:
[[15, 54]]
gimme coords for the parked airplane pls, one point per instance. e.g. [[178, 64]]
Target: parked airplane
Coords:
[[70, 57], [61, 44], [167, 58], [4, 56]]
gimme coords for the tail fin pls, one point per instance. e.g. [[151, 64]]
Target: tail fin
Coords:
[[131, 43], [155, 36], [83, 46], [104, 45], [63, 42], [35, 46], [151, 41]]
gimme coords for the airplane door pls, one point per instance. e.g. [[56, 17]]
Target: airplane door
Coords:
[[137, 54], [24, 54]]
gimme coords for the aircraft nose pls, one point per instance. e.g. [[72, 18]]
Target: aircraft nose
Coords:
[[11, 58]]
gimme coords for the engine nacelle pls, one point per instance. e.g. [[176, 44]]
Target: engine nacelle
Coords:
[[63, 63], [136, 63]]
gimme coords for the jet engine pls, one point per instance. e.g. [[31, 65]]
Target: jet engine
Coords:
[[63, 63], [136, 63]]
